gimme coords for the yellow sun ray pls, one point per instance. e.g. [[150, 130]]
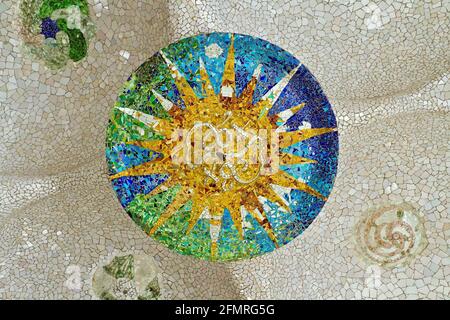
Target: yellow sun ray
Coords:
[[262, 220], [187, 94], [246, 97], [207, 86], [198, 206], [161, 146], [233, 206], [143, 169], [160, 188], [283, 179], [289, 158], [214, 250], [180, 199], [252, 202], [256, 209], [273, 197], [170, 182], [292, 137]]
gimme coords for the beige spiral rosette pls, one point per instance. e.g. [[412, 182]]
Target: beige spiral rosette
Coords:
[[391, 236]]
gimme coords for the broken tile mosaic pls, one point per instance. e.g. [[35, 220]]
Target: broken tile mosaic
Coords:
[[384, 66], [232, 210], [56, 31]]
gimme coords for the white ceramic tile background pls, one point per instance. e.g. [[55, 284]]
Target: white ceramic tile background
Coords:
[[384, 66]]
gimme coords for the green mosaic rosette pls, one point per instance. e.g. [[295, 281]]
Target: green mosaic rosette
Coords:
[[56, 31]]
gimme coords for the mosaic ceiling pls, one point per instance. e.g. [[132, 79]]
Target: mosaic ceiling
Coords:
[[74, 226], [222, 146]]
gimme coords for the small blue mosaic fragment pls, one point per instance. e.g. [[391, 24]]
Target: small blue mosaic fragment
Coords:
[[123, 156], [49, 28]]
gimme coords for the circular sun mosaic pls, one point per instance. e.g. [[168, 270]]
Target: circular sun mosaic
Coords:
[[222, 146]]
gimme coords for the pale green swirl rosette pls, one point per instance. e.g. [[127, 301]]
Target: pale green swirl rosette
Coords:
[[56, 31]]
